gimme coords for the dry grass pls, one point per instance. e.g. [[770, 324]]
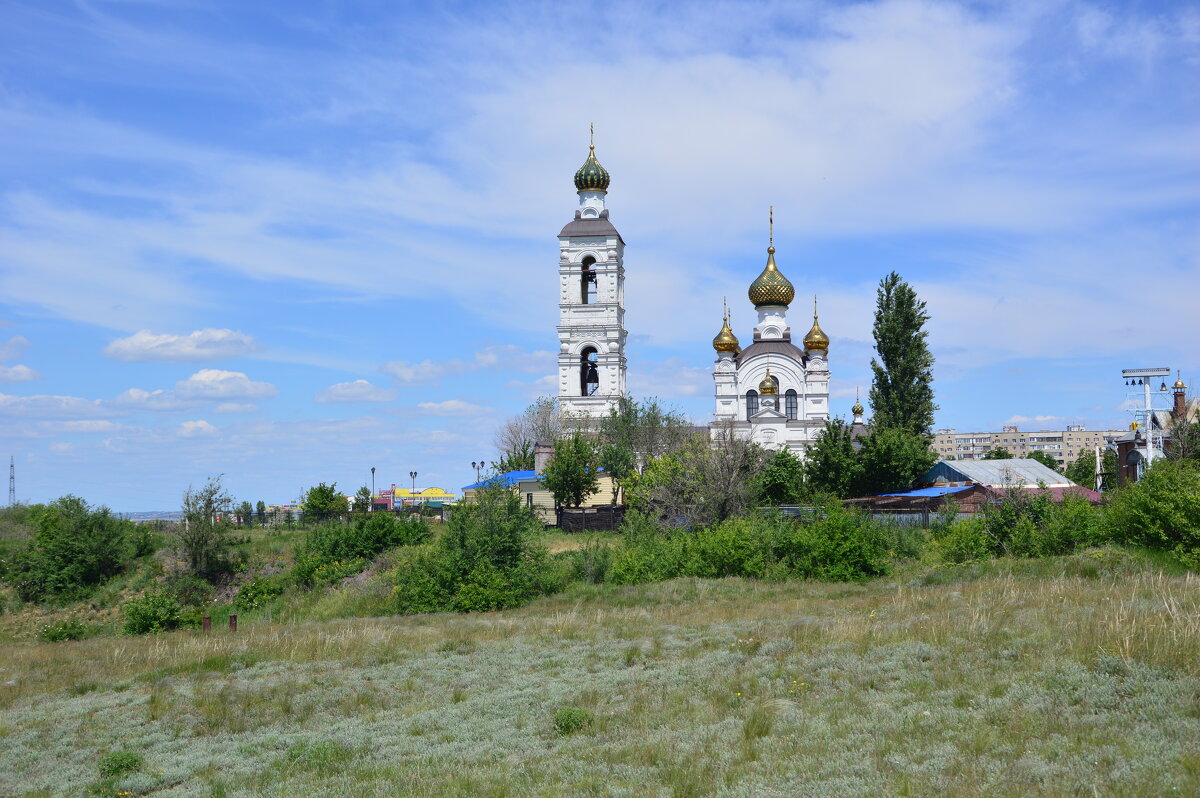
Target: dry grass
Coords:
[[1051, 678]]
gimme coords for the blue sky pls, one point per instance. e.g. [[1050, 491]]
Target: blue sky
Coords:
[[287, 242]]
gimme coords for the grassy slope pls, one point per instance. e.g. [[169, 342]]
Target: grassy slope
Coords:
[[1074, 676]]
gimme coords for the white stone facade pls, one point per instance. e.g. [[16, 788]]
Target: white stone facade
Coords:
[[591, 328], [792, 418]]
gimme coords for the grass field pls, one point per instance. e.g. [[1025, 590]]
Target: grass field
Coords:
[[1070, 676]]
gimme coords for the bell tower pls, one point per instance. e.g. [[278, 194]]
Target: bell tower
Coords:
[[591, 301]]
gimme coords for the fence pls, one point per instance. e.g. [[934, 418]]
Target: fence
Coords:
[[606, 518]]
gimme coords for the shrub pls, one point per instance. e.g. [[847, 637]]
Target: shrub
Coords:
[[569, 720], [188, 589], [74, 548], [257, 592], [591, 562], [118, 763], [1160, 511], [153, 612], [964, 541], [146, 538], [488, 558], [333, 551], [70, 629]]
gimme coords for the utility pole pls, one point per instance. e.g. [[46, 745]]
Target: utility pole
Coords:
[[12, 482]]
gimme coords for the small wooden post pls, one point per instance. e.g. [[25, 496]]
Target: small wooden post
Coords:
[[233, 623], [206, 623]]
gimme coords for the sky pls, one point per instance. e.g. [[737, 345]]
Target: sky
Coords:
[[286, 242]]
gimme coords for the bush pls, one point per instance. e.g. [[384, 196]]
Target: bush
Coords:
[[153, 612], [840, 545], [118, 763], [333, 551], [1021, 524], [1160, 511], [569, 720], [488, 558], [70, 629], [257, 592], [74, 548], [189, 589], [964, 541], [145, 538]]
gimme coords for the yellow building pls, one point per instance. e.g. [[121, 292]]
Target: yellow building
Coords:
[[434, 496]]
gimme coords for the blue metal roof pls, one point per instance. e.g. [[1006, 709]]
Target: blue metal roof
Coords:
[[942, 491], [505, 480]]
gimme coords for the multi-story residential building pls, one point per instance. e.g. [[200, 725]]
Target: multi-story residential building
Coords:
[[1064, 445]]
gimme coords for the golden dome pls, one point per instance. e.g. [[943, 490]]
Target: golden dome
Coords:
[[816, 337], [858, 409], [726, 341], [769, 385], [771, 287], [1178, 386]]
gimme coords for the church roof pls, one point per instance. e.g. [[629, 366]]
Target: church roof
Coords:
[[775, 347], [591, 227]]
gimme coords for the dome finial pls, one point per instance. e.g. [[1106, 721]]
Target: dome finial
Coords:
[[591, 176], [858, 409], [725, 340], [771, 288], [816, 337], [769, 385]]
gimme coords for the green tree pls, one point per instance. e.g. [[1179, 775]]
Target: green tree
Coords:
[[618, 464], [245, 513], [1183, 440], [998, 453], [644, 428], [261, 511], [1083, 471], [1161, 510], [324, 501], [203, 536], [519, 458], [362, 500], [1044, 459], [902, 388], [543, 421], [782, 479], [891, 459], [572, 475], [832, 464]]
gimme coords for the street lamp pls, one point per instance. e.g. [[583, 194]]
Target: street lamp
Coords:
[[372, 508], [413, 474], [477, 467]]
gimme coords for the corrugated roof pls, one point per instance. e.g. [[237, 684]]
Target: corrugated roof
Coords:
[[939, 491], [1022, 473]]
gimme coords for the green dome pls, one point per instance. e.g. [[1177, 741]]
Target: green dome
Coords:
[[591, 176]]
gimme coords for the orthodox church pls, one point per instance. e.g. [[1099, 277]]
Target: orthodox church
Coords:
[[773, 392]]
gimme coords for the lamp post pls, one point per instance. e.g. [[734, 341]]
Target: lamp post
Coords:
[[477, 467], [372, 508], [413, 474]]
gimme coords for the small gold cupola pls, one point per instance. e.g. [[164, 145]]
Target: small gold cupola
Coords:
[[769, 385], [771, 288], [816, 337], [1178, 386], [858, 408], [726, 341]]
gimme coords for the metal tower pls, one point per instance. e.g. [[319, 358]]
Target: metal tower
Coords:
[[12, 482]]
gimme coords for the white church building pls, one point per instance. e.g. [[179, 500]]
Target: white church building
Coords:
[[773, 392]]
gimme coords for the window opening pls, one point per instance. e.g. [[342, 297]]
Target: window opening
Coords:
[[589, 374], [791, 404], [751, 403], [587, 282]]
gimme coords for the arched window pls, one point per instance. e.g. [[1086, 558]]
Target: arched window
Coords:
[[751, 403], [791, 403], [587, 282], [589, 374]]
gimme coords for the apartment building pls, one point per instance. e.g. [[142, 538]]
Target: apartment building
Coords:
[[1063, 445]]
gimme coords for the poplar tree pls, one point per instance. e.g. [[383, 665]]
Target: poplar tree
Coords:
[[902, 388]]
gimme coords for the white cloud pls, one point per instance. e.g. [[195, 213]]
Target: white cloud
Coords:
[[42, 406], [191, 429], [504, 357], [93, 425], [212, 384], [357, 391], [235, 407], [198, 346], [18, 373], [1036, 420], [13, 348], [452, 407]]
